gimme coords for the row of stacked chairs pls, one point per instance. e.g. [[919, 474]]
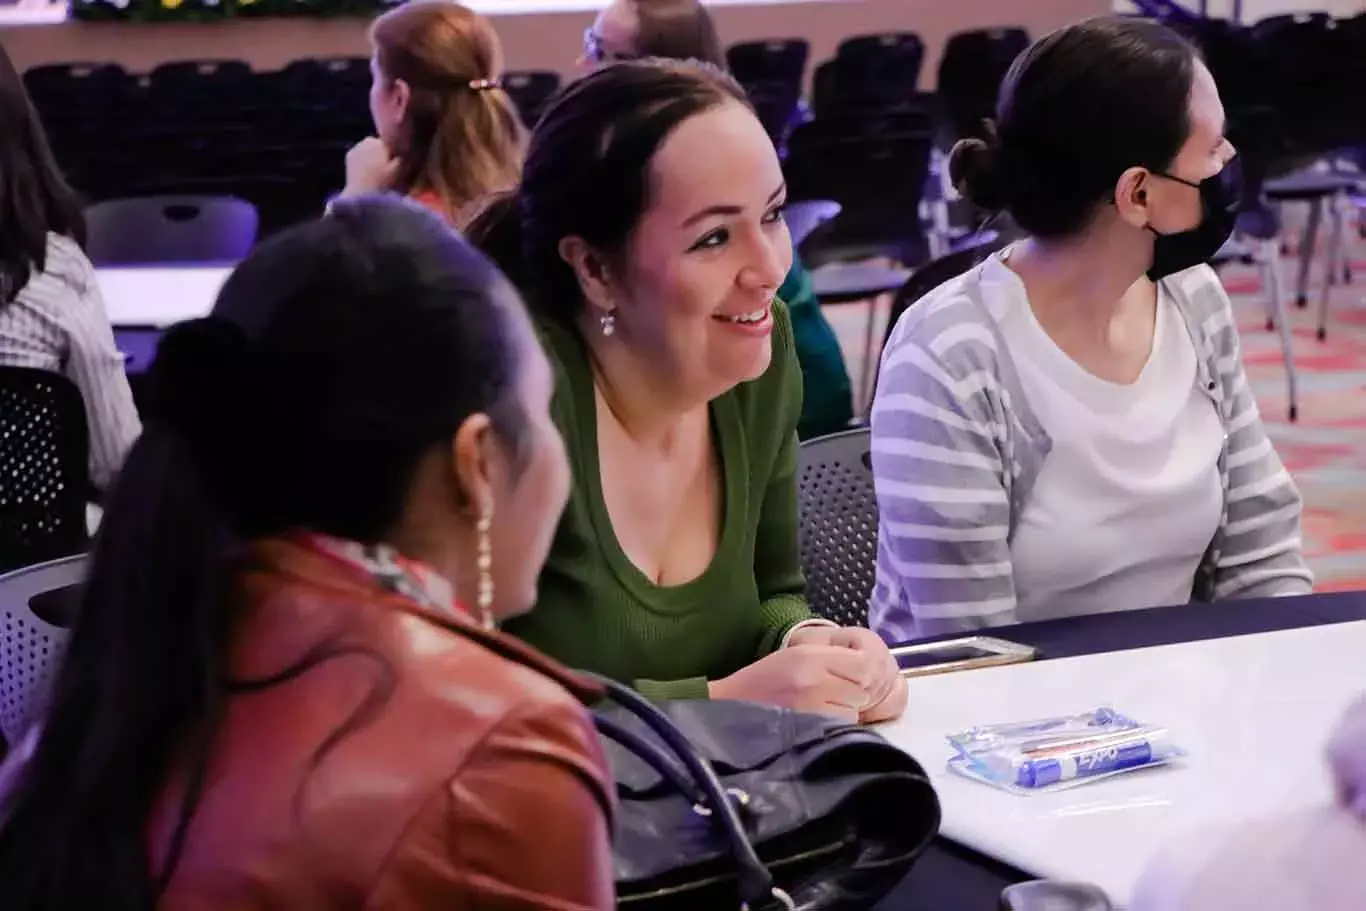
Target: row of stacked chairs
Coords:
[[217, 127], [278, 139]]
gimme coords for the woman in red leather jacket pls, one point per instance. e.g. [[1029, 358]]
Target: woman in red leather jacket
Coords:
[[286, 688]]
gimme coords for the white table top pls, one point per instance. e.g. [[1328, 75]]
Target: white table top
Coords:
[[159, 295], [1254, 712]]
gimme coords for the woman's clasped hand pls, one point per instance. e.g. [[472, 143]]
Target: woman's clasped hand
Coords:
[[843, 671]]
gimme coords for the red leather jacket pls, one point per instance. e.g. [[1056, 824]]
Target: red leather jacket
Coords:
[[424, 768]]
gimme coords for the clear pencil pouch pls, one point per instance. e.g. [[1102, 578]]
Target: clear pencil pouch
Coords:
[[1054, 753]]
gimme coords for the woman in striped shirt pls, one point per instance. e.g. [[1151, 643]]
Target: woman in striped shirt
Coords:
[[1067, 428], [51, 314]]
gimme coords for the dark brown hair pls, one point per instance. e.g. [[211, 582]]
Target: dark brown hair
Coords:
[[1077, 109], [34, 196], [587, 172]]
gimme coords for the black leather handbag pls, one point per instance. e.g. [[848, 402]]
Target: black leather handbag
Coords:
[[733, 805]]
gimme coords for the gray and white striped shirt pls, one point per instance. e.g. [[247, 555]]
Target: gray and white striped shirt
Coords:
[[58, 323], [956, 450]]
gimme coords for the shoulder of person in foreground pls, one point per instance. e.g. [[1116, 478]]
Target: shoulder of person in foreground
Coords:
[[523, 823], [1305, 860], [1261, 547], [938, 426]]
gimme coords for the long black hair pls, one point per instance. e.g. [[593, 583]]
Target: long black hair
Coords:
[[336, 357], [587, 172], [34, 196]]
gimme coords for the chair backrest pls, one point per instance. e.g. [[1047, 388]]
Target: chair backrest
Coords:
[[867, 163], [70, 88], [531, 91], [838, 527], [170, 229], [35, 638], [869, 72], [193, 80], [779, 60], [778, 108], [970, 74], [44, 467]]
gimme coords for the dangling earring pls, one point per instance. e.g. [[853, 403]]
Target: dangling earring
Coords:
[[608, 322], [484, 562]]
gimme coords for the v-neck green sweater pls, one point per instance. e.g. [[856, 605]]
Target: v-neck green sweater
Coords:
[[597, 611]]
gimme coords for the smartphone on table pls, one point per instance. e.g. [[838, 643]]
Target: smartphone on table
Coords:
[[966, 653]]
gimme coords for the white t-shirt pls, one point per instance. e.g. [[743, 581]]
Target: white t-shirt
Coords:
[[1130, 495]]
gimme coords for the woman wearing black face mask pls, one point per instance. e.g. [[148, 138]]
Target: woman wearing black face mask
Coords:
[[1067, 429]]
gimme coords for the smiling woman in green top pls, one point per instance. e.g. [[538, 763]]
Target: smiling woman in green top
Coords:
[[648, 234]]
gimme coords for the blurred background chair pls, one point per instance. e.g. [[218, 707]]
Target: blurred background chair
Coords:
[[44, 467], [531, 91], [171, 229], [37, 605]]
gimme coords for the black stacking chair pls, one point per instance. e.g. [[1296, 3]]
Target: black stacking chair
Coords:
[[870, 73], [970, 74], [780, 61], [777, 107], [191, 86], [44, 467], [838, 526], [70, 89], [875, 167], [531, 91]]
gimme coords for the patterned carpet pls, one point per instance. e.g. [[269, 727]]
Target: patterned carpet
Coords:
[[1325, 449]]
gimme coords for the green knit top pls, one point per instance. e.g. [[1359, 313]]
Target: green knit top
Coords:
[[598, 612]]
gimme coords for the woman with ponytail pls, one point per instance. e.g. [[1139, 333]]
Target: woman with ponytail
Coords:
[[285, 687], [447, 132]]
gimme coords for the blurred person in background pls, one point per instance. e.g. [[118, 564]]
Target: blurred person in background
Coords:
[[447, 133], [52, 316]]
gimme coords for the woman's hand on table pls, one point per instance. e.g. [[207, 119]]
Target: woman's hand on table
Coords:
[[823, 679], [887, 688], [370, 167]]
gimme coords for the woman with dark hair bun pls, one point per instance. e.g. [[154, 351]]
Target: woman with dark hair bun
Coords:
[[1067, 428], [285, 687], [649, 239]]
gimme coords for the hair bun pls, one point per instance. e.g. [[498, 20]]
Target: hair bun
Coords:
[[205, 384], [976, 172]]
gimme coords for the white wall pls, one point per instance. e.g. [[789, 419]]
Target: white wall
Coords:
[[1260, 9]]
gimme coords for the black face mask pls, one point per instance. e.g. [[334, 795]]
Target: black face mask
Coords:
[[1219, 197]]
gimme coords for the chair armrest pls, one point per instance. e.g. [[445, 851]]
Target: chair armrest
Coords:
[[1046, 895]]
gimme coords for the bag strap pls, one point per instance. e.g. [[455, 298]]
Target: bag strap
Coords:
[[651, 756], [755, 880]]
